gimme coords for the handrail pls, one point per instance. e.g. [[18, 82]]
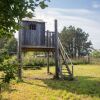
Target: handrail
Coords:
[[65, 51]]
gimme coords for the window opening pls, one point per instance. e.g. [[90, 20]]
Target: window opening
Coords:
[[32, 26]]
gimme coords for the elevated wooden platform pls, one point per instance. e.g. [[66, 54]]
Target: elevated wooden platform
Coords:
[[38, 48]]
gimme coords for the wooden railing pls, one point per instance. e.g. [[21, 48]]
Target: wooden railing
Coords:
[[49, 39]]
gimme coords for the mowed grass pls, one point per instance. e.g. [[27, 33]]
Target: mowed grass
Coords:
[[37, 85]]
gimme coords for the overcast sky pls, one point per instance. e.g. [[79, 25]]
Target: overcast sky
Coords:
[[79, 13]]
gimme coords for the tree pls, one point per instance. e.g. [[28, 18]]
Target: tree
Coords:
[[12, 11], [11, 46], [8, 46], [96, 53], [75, 41], [3, 41]]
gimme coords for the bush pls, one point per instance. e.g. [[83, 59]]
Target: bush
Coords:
[[31, 60], [9, 68], [3, 55], [96, 54], [39, 62], [80, 61]]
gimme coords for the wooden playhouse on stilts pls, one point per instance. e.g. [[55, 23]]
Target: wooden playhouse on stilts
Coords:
[[33, 37]]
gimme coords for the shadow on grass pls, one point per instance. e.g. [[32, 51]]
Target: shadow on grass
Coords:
[[83, 85]]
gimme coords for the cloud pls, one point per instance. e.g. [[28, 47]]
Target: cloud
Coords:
[[73, 11], [96, 4], [68, 19], [82, 18]]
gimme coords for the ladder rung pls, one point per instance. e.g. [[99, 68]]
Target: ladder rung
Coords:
[[64, 72], [64, 69]]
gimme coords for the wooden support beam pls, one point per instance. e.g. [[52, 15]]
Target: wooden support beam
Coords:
[[40, 49], [56, 52], [19, 57], [48, 69], [47, 52]]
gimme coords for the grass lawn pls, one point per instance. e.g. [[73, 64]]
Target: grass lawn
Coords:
[[37, 85]]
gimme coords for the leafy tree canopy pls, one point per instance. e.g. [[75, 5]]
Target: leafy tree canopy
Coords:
[[8, 47], [96, 53], [11, 46], [12, 11], [75, 41]]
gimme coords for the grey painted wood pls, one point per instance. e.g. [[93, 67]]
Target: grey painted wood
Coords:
[[42, 35], [33, 37], [48, 69], [36, 37]]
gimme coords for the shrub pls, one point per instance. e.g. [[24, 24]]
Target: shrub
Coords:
[[3, 55], [31, 60], [9, 68], [96, 54]]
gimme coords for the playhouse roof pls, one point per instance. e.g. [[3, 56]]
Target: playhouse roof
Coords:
[[32, 19]]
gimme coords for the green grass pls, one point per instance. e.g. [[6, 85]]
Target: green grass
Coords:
[[37, 85]]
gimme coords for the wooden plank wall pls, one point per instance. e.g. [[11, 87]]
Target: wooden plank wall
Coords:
[[36, 37]]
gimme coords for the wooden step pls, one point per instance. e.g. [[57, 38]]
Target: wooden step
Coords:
[[64, 69], [64, 72]]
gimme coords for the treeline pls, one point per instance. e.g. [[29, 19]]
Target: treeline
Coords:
[[75, 41]]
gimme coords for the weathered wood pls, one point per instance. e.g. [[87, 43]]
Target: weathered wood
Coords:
[[34, 36], [37, 40], [19, 57], [38, 48], [56, 51], [47, 38], [72, 70], [48, 69]]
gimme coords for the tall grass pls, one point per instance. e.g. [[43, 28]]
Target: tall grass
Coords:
[[37, 85], [33, 60]]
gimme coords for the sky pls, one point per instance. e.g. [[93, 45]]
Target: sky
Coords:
[[84, 14]]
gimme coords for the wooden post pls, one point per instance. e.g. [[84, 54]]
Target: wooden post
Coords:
[[19, 57], [89, 58], [47, 38], [56, 52], [48, 52], [48, 69], [72, 71]]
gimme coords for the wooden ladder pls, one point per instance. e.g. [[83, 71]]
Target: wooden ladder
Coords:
[[65, 70]]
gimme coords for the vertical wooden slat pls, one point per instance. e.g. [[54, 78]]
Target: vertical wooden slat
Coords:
[[47, 38], [52, 39]]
